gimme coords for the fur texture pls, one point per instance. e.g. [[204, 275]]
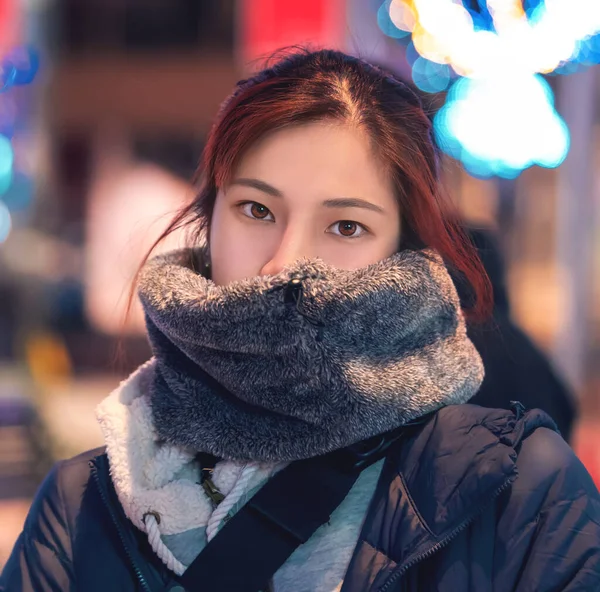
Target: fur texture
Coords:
[[256, 370]]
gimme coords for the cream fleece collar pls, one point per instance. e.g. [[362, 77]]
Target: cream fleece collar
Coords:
[[158, 479]]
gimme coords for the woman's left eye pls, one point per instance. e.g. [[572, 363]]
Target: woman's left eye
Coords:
[[347, 229]]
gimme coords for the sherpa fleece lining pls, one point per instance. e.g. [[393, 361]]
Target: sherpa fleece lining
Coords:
[[154, 476]]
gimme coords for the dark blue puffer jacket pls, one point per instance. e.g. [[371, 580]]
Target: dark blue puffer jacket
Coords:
[[471, 500]]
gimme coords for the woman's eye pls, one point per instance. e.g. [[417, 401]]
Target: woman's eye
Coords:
[[255, 210], [347, 229]]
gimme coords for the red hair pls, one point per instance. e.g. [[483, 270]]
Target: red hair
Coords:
[[307, 86]]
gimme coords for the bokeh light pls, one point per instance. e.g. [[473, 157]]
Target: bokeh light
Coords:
[[501, 118], [402, 15], [19, 196], [500, 127], [18, 67], [386, 24], [5, 222], [6, 163], [411, 54], [537, 37], [429, 76], [26, 62], [8, 75]]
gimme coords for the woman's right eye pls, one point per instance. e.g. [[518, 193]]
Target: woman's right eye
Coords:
[[256, 210]]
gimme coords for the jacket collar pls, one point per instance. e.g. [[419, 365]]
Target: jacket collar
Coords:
[[150, 573]]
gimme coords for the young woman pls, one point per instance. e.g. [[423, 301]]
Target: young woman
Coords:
[[313, 317]]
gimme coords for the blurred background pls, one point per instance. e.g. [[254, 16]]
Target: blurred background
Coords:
[[104, 108]]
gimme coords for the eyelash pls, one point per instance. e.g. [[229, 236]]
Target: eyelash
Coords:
[[243, 204]]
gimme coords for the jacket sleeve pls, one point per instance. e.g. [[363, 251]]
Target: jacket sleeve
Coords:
[[560, 548], [41, 560]]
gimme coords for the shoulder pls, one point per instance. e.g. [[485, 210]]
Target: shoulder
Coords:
[[545, 453], [464, 417], [468, 427], [553, 491], [53, 516], [73, 473], [78, 466], [548, 524], [510, 427], [62, 491], [476, 445], [545, 463], [44, 552], [550, 472]]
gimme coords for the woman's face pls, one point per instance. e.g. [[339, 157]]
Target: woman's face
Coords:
[[314, 190]]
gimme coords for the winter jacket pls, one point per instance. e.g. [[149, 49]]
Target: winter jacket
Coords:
[[472, 500]]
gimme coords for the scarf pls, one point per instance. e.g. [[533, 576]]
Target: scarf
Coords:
[[157, 486], [285, 367]]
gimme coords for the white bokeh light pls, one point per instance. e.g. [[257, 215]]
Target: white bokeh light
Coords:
[[509, 122], [500, 119]]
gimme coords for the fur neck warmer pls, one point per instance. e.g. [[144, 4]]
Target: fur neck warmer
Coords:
[[285, 367]]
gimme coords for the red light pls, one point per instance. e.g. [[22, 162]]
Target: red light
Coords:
[[268, 25], [9, 25]]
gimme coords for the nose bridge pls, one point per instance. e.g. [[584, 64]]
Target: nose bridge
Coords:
[[295, 243]]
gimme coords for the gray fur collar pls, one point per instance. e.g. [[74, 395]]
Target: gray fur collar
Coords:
[[271, 370]]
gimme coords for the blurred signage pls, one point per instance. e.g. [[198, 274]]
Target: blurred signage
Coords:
[[268, 25]]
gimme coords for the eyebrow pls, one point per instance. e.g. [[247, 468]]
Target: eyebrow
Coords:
[[338, 202], [352, 202], [259, 185]]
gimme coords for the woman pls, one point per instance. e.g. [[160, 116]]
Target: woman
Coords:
[[315, 321]]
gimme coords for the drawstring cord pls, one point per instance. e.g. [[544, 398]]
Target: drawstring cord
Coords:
[[152, 520]]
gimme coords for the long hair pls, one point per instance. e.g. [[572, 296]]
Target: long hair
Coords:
[[308, 86]]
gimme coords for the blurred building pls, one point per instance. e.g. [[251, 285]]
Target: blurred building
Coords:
[[132, 92]]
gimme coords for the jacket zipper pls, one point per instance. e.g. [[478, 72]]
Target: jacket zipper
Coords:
[[438, 546], [138, 573]]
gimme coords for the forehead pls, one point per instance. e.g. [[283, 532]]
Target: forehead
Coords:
[[331, 156]]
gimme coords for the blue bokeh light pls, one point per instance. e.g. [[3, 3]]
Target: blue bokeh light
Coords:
[[480, 14], [501, 128], [411, 54], [535, 11], [587, 52], [429, 76], [502, 133], [567, 68], [593, 45], [8, 75], [18, 67], [385, 22], [5, 222], [19, 196], [6, 163]]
